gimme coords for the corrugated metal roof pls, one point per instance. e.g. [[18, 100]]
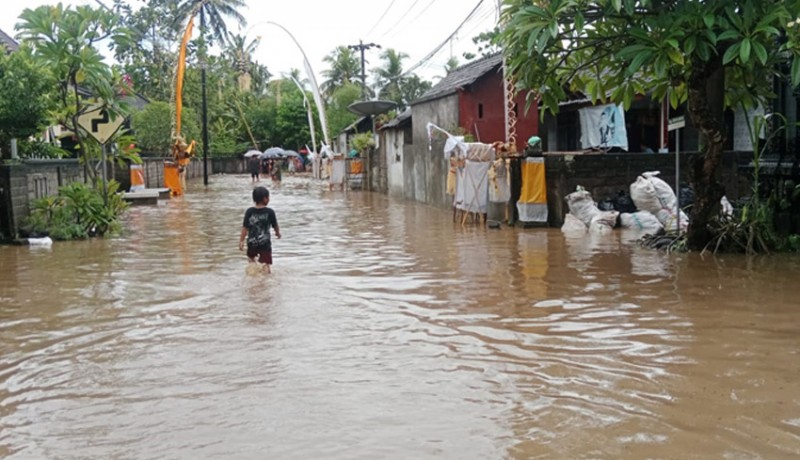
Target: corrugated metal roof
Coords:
[[461, 77], [7, 41]]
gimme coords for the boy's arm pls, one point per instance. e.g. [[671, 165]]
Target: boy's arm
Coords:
[[242, 237], [275, 225]]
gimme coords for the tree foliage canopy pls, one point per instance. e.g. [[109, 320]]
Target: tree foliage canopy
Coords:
[[26, 98], [615, 49], [709, 54]]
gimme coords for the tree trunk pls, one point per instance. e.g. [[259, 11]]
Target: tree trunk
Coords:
[[704, 111]]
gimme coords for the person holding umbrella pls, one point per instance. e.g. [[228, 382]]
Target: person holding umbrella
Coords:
[[253, 164]]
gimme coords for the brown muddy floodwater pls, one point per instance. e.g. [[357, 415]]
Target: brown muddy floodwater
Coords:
[[388, 332]]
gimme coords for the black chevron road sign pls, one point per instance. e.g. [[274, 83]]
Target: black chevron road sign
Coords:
[[99, 124]]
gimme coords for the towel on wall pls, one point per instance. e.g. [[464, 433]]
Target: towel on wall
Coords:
[[532, 204]]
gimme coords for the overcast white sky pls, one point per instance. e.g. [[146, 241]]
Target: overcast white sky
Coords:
[[415, 27]]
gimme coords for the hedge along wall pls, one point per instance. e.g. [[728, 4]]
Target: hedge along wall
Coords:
[[22, 183], [604, 175]]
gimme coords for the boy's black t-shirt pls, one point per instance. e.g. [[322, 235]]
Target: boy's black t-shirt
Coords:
[[259, 222]]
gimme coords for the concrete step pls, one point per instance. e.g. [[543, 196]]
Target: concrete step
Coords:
[[143, 197]]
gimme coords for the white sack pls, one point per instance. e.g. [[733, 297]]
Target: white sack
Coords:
[[641, 220], [582, 206], [644, 196], [607, 218], [573, 225], [665, 194], [670, 222], [727, 207]]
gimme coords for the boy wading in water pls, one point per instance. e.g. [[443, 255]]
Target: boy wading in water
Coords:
[[258, 220]]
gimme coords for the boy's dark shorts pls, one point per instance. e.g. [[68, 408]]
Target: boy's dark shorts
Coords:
[[261, 254]]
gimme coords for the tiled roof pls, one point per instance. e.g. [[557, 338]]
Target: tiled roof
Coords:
[[8, 42], [461, 77]]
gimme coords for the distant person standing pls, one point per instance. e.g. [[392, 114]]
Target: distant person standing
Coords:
[[259, 220], [276, 173], [254, 166]]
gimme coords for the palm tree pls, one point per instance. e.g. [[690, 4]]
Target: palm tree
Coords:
[[344, 69], [216, 11], [240, 51], [390, 78]]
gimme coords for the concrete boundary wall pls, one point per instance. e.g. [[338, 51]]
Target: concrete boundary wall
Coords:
[[22, 183], [425, 173]]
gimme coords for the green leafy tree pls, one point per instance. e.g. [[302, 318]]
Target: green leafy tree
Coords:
[[413, 88], [486, 43], [149, 57], [64, 40], [338, 115], [711, 54], [390, 76], [240, 51], [262, 118], [152, 127], [25, 96], [451, 65], [344, 70]]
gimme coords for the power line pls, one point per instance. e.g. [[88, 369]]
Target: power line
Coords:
[[441, 45], [430, 4], [381, 18], [401, 18]]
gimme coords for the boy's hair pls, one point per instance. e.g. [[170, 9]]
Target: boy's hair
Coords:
[[259, 193]]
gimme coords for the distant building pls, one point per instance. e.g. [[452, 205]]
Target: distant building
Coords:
[[8, 42]]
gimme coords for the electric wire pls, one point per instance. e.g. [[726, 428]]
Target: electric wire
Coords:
[[419, 15], [380, 18], [441, 45], [397, 23]]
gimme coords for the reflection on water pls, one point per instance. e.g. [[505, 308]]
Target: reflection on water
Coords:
[[386, 331]]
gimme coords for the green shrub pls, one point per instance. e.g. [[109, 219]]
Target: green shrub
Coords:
[[78, 212]]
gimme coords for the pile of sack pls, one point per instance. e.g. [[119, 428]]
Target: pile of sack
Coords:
[[651, 208], [653, 195], [584, 215]]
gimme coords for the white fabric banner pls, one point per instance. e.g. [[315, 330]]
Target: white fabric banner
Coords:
[[472, 187], [603, 126]]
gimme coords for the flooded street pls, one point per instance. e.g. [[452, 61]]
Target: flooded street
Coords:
[[386, 331]]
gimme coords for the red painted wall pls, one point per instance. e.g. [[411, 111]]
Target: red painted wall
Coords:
[[490, 127]]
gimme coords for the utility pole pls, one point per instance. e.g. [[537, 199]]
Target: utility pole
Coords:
[[362, 47], [203, 65]]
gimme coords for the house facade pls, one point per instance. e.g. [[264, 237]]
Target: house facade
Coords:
[[474, 97], [469, 101]]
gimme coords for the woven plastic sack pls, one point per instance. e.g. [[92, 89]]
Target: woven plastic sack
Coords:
[[644, 196], [666, 196], [641, 220], [573, 225], [582, 206]]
